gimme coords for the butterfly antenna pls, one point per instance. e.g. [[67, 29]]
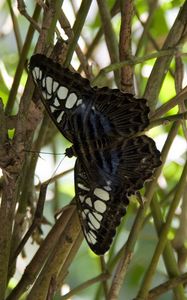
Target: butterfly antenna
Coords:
[[43, 152], [55, 171]]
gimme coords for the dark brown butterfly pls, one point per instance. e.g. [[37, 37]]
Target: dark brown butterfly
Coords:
[[104, 126]]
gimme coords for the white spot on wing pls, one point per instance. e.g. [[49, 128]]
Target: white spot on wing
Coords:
[[56, 102], [44, 94], [83, 106], [100, 206], [93, 220], [71, 100], [98, 216], [81, 198], [34, 77], [79, 102], [43, 83], [59, 119], [86, 211], [91, 239], [91, 226], [48, 96], [52, 108], [107, 188], [40, 74], [49, 83], [36, 73], [82, 187], [102, 194], [55, 85], [88, 237], [88, 201], [62, 92], [93, 234]]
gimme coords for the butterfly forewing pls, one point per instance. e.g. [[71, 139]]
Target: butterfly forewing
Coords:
[[111, 112], [59, 92], [112, 161]]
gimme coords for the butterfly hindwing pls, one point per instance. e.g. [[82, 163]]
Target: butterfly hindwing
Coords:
[[100, 208], [126, 114], [132, 161], [103, 194]]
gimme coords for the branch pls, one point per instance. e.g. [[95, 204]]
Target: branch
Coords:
[[127, 13], [162, 64], [163, 237], [110, 36], [35, 266], [86, 284], [166, 286], [133, 61], [167, 120]]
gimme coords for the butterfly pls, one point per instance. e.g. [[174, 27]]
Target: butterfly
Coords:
[[104, 126]]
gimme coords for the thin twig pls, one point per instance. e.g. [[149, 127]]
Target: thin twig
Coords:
[[63, 272], [176, 100], [162, 64], [110, 37], [114, 10], [65, 24], [127, 12], [167, 120], [36, 221], [21, 64], [36, 264], [166, 286], [57, 258], [133, 61], [16, 27], [86, 284], [77, 28], [54, 178], [162, 238], [146, 26], [23, 11], [104, 270]]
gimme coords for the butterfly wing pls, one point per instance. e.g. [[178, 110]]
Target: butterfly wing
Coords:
[[100, 209], [102, 195], [64, 93], [135, 161], [126, 114], [61, 91], [102, 124]]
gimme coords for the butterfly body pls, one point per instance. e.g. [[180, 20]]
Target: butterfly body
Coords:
[[113, 161]]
